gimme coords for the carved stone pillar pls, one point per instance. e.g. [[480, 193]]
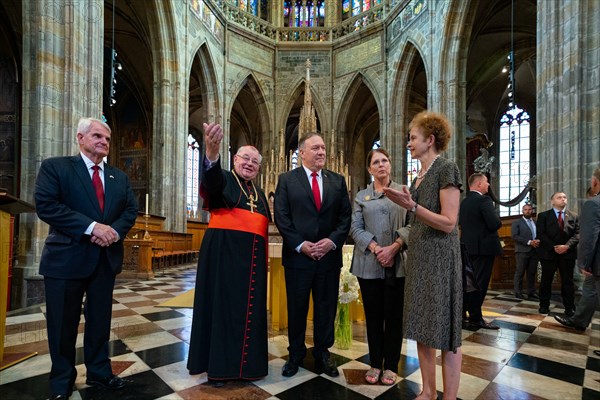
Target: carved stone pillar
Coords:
[[568, 100], [62, 81]]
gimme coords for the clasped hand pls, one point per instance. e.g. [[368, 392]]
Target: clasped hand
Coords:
[[385, 255], [316, 251], [104, 235]]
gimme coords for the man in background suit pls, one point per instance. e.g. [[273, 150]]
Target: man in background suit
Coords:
[[558, 232], [479, 224], [312, 213], [90, 207], [588, 260], [522, 232]]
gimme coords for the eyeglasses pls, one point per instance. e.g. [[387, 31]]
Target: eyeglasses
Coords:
[[252, 161]]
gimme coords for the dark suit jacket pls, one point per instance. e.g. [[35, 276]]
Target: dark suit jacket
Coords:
[[479, 224], [298, 220], [589, 236], [550, 234], [65, 200], [521, 234]]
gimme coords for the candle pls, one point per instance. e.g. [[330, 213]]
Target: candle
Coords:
[[146, 203]]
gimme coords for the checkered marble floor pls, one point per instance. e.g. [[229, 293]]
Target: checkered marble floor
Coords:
[[530, 357]]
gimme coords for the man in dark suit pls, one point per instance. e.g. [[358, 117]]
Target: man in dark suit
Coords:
[[523, 233], [479, 224], [312, 212], [558, 231], [588, 260], [90, 207]]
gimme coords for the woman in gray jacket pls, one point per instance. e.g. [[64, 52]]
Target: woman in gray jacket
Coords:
[[380, 232]]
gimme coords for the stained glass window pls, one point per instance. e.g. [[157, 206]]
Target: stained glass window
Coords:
[[412, 167], [306, 13], [358, 6], [192, 177], [294, 159], [514, 161]]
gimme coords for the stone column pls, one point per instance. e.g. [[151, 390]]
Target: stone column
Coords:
[[568, 133], [276, 10], [62, 81], [333, 13]]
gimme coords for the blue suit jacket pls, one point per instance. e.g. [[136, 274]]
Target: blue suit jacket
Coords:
[[65, 200], [298, 220], [521, 234]]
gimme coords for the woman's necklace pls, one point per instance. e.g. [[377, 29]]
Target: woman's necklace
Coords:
[[252, 197], [421, 174]]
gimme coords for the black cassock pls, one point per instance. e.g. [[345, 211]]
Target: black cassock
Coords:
[[229, 327]]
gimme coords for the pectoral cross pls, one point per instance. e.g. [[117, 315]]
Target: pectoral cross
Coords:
[[251, 204]]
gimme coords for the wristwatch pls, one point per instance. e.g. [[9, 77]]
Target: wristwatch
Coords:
[[414, 209]]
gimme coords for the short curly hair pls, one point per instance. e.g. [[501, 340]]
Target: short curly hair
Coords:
[[434, 124]]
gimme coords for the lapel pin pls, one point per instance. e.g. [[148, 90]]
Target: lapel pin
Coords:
[[111, 177]]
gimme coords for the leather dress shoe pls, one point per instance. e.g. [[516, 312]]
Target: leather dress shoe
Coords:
[[112, 382], [544, 310], [290, 368], [568, 323], [484, 325], [533, 296], [58, 397], [519, 296], [217, 383], [325, 366], [569, 312]]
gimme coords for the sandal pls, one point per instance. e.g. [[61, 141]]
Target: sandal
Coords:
[[372, 376], [388, 378]]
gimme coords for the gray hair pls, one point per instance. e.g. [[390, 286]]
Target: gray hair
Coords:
[[84, 124]]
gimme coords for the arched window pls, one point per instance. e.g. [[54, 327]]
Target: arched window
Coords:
[[515, 167], [307, 13], [193, 178]]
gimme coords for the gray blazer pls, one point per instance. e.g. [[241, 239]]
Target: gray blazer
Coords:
[[521, 234], [375, 217], [588, 250]]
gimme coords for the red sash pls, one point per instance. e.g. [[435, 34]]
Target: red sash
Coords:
[[237, 219]]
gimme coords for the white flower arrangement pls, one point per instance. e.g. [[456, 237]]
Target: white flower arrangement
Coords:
[[348, 290]]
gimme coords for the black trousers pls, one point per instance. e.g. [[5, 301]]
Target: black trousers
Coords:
[[526, 264], [324, 284], [383, 302], [64, 298], [482, 266], [565, 268]]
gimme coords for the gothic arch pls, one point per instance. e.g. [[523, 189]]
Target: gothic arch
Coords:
[[359, 124], [249, 115], [409, 97], [203, 89], [294, 102]]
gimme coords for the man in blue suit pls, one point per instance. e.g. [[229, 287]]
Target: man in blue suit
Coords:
[[90, 207], [523, 233], [312, 213]]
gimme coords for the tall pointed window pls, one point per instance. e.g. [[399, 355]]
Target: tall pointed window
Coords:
[[193, 177], [514, 160]]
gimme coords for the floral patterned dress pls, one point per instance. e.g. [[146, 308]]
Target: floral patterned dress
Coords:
[[433, 291]]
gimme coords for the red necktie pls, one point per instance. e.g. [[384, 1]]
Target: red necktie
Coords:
[[316, 191], [97, 183], [561, 222]]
